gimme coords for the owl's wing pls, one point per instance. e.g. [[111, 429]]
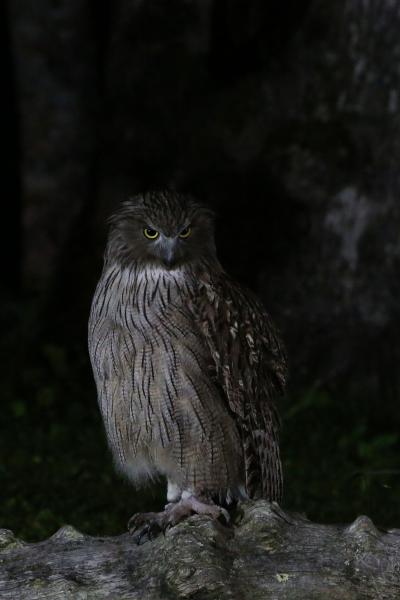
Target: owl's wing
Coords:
[[249, 364]]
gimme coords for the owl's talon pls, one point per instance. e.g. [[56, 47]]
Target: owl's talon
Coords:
[[149, 531], [138, 538], [150, 525], [133, 522], [146, 524]]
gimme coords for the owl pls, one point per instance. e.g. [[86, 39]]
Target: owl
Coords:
[[187, 364]]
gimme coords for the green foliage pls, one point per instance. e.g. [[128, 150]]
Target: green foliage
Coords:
[[337, 465]]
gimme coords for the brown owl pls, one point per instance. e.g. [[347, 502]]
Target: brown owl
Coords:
[[186, 361]]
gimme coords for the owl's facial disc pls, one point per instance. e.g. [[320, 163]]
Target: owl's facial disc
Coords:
[[162, 229]]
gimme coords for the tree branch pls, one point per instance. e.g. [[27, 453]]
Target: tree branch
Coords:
[[269, 554]]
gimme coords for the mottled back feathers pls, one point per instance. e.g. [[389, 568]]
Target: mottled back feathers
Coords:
[[250, 366]]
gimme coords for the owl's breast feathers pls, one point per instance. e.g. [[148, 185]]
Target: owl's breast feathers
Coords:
[[250, 367], [187, 365]]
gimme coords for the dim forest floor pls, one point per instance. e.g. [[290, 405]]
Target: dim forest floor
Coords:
[[55, 467]]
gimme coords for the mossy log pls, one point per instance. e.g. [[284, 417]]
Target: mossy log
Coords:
[[270, 553]]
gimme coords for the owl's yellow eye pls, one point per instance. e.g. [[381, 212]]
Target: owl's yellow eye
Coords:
[[151, 234], [185, 232]]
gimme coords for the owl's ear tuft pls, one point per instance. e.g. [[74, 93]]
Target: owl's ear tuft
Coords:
[[128, 209]]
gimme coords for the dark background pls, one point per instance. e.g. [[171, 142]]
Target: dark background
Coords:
[[284, 116]]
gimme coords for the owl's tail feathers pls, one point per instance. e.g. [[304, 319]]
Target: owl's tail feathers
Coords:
[[262, 462]]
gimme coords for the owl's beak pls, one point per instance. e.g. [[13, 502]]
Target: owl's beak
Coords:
[[169, 252]]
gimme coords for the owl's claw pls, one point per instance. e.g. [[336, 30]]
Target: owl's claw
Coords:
[[146, 525], [150, 525]]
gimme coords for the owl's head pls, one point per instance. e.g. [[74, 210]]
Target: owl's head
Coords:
[[164, 229]]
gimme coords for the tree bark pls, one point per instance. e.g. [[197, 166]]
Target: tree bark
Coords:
[[269, 554]]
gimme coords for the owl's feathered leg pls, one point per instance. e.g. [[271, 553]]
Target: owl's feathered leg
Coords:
[[149, 525], [174, 492]]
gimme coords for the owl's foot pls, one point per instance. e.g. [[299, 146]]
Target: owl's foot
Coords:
[[149, 525]]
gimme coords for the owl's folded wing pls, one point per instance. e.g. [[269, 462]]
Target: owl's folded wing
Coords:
[[249, 364]]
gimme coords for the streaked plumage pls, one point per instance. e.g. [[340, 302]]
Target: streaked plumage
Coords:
[[187, 362]]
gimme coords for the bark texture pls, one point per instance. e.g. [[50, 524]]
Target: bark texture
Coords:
[[268, 554]]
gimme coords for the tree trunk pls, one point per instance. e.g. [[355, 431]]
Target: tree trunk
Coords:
[[55, 59], [268, 554]]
